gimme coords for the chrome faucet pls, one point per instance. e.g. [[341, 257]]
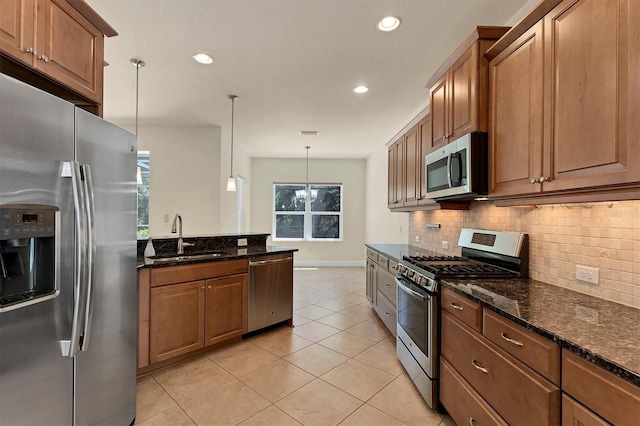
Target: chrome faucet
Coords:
[[181, 244]]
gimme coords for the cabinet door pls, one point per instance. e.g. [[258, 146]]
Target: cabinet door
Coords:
[[439, 113], [424, 142], [515, 121], [396, 173], [411, 161], [576, 414], [592, 94], [391, 176], [70, 49], [17, 31], [462, 94], [177, 319], [226, 308]]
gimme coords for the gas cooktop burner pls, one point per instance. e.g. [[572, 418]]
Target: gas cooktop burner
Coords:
[[468, 270]]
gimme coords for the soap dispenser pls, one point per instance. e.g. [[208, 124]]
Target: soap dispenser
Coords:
[[149, 250]]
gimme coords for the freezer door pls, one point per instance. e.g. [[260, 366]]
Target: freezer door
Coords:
[[36, 135], [105, 372]]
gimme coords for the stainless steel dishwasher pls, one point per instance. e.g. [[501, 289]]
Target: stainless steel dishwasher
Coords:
[[270, 290]]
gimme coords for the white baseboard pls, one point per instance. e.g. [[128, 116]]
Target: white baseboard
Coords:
[[327, 263]]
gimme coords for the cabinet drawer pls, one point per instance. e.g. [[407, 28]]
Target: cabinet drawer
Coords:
[[574, 413], [373, 255], [517, 393], [612, 398], [393, 266], [387, 286], [537, 352], [462, 402], [387, 313], [383, 261], [465, 310], [197, 271]]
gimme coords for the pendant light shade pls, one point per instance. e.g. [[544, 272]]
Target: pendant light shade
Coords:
[[231, 181]]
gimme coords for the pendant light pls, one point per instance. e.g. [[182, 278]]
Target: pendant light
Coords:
[[231, 181], [138, 64]]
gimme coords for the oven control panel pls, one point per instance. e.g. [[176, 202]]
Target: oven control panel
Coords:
[[416, 277]]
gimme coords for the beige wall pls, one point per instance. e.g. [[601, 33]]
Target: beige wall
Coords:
[[350, 173], [382, 226], [560, 237]]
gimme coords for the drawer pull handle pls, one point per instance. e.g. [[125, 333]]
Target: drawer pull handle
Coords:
[[475, 364], [387, 285], [454, 306], [387, 314], [472, 422], [515, 342]]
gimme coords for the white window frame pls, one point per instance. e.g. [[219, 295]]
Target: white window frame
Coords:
[[308, 214]]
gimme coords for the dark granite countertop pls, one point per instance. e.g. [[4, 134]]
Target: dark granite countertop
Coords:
[[602, 332], [226, 254]]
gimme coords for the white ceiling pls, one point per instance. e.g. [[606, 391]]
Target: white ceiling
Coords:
[[293, 64]]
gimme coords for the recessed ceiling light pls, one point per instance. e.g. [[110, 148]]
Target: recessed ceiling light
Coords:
[[203, 58], [309, 132], [361, 89], [389, 23]]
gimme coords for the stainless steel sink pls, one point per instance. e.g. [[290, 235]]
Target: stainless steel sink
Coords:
[[184, 257]]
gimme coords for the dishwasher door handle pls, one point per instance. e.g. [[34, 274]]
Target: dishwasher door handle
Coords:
[[270, 262]]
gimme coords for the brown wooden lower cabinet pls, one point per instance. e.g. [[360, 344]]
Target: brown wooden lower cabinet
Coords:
[[177, 318], [226, 308], [464, 404], [516, 392], [576, 414]]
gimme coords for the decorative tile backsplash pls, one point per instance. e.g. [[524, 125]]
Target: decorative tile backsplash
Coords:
[[600, 235]]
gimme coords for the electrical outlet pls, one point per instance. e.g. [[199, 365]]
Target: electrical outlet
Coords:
[[587, 274], [417, 238], [445, 245], [242, 242]]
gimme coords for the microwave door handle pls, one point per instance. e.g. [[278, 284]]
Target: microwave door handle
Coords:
[[458, 157], [449, 169]]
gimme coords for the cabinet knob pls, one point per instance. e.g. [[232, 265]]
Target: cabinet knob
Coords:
[[543, 179], [534, 181], [44, 58], [31, 51], [209, 287], [202, 287]]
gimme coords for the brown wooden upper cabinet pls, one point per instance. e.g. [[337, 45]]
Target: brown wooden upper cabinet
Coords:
[[62, 40], [458, 90], [565, 102], [395, 173]]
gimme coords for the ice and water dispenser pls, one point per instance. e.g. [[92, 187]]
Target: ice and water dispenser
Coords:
[[27, 255]]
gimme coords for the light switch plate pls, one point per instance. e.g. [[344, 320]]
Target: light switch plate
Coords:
[[445, 245], [417, 238], [242, 242]]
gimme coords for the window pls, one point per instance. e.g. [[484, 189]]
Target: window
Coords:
[[143, 194], [313, 215]]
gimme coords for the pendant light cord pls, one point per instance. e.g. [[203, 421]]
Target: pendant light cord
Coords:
[[138, 64], [308, 188], [233, 104]]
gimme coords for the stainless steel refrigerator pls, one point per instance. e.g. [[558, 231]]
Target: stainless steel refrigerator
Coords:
[[68, 292]]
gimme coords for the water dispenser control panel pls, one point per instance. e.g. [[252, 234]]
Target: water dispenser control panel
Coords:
[[26, 222]]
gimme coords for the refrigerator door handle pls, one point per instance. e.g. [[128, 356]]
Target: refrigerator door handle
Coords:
[[90, 207], [70, 347]]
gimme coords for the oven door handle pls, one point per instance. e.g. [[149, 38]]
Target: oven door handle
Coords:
[[409, 291]]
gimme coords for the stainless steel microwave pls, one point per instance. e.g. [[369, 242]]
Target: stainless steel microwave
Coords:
[[459, 169]]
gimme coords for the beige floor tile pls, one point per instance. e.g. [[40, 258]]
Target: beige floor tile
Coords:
[[358, 379], [401, 400], [371, 329], [276, 380], [311, 298], [151, 399], [270, 416], [228, 404], [243, 359], [281, 342], [172, 417], [316, 359], [347, 344], [319, 403], [315, 331], [298, 304], [361, 311], [383, 357], [299, 320], [314, 312], [370, 416], [447, 421], [335, 305], [191, 378], [340, 321]]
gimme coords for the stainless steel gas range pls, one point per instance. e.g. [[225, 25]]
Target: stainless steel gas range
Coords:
[[485, 254]]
